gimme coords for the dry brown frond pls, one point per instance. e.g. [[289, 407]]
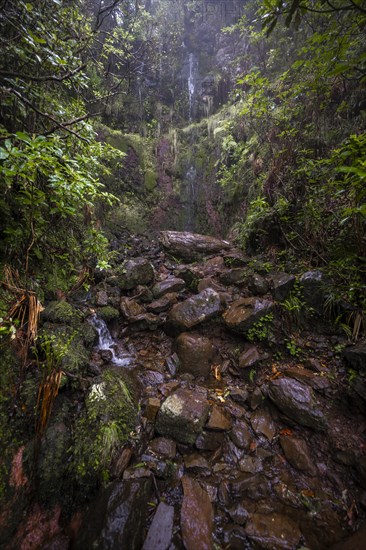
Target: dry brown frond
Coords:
[[47, 393]]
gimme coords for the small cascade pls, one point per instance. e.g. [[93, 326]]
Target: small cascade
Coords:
[[106, 342], [191, 82]]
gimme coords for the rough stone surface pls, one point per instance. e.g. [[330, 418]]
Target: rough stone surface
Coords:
[[196, 516], [162, 304], [236, 276], [245, 312], [194, 310], [195, 354], [130, 309], [191, 246], [163, 446], [219, 420], [296, 400], [117, 518], [250, 486], [356, 356], [298, 454], [182, 416], [282, 283], [101, 298], [313, 285], [161, 528], [152, 408], [272, 532], [134, 272], [209, 441], [258, 284], [240, 435], [262, 422], [169, 285], [249, 357]]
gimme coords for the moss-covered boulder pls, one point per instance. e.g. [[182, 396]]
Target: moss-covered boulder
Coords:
[[62, 313], [134, 272], [103, 427], [108, 313]]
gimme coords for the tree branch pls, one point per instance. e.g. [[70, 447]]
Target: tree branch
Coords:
[[46, 78]]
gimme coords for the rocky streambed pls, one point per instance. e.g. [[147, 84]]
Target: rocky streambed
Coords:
[[251, 425]]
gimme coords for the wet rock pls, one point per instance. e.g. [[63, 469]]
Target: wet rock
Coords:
[[240, 435], [145, 321], [239, 395], [172, 363], [101, 298], [245, 312], [258, 284], [272, 532], [209, 283], [238, 514], [196, 461], [256, 399], [163, 446], [216, 262], [130, 309], [249, 357], [195, 354], [282, 284], [236, 276], [355, 356], [262, 422], [193, 311], [234, 537], [182, 416], [219, 420], [297, 453], [122, 462], [196, 516], [320, 383], [251, 465], [62, 313], [356, 541], [191, 246], [169, 285], [134, 272], [250, 486], [296, 400], [152, 408], [313, 285], [161, 305], [209, 441], [117, 518], [161, 530]]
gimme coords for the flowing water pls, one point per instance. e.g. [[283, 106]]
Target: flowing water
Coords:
[[121, 358]]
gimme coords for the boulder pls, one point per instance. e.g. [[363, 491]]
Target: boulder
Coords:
[[117, 518], [169, 285], [196, 516], [195, 354], [182, 416], [130, 308], [258, 284], [297, 453], [219, 420], [262, 423], [236, 276], [161, 529], [313, 285], [134, 272], [162, 304], [191, 246], [296, 400], [193, 311], [245, 312], [272, 531], [282, 284], [355, 356], [249, 357]]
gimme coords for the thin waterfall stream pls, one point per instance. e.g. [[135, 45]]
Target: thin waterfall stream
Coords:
[[120, 358]]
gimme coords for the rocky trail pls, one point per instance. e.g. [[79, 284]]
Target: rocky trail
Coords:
[[251, 432]]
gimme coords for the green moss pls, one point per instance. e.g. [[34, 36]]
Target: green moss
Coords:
[[150, 180], [103, 427], [62, 313], [108, 313], [76, 355]]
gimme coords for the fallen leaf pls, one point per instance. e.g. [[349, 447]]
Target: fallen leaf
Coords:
[[286, 431], [308, 493]]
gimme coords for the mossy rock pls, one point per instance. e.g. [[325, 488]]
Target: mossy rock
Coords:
[[108, 313], [62, 313], [103, 427], [150, 180], [67, 345]]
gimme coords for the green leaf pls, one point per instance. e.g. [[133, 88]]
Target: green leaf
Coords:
[[3, 154]]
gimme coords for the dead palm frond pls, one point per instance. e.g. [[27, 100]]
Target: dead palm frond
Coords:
[[47, 394]]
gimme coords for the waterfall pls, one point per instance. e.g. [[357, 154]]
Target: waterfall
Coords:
[[191, 82], [106, 342]]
